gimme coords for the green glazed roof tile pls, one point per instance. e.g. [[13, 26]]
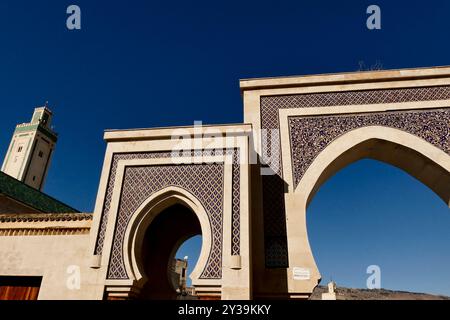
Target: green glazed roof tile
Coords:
[[31, 197]]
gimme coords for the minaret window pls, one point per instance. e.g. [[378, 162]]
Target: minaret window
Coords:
[[20, 149], [41, 154]]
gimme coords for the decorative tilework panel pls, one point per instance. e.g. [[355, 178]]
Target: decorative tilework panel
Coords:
[[204, 181], [213, 270], [236, 205], [311, 135], [270, 105], [110, 186], [275, 234]]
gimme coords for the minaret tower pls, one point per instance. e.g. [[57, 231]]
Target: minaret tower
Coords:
[[31, 149]]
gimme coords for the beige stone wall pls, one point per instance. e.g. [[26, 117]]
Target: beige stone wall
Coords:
[[51, 257], [39, 164], [53, 247], [15, 162]]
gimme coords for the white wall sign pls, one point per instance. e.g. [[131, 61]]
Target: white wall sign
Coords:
[[301, 273]]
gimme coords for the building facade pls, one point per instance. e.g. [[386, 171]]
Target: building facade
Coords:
[[245, 188]]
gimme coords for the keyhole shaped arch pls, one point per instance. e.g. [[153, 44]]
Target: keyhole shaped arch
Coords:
[[414, 155], [422, 160], [144, 216]]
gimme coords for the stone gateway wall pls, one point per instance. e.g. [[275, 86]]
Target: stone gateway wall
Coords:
[[253, 224], [299, 118]]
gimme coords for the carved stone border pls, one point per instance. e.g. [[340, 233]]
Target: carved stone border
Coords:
[[310, 135], [45, 224]]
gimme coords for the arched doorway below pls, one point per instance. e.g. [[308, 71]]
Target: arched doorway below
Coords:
[[166, 233]]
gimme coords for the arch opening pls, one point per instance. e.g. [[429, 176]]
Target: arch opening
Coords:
[[189, 251], [373, 214], [154, 234], [166, 276], [403, 157], [414, 156]]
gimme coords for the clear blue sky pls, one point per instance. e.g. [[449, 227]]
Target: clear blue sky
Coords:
[[159, 63]]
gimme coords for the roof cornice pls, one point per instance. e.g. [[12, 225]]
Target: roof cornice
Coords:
[[345, 78], [44, 217], [45, 224]]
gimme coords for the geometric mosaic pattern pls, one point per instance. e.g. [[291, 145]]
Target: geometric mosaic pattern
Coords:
[[274, 217], [271, 104], [110, 187], [204, 181], [236, 205], [273, 204], [310, 135], [180, 178]]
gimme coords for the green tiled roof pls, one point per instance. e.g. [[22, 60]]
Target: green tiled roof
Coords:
[[31, 197]]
